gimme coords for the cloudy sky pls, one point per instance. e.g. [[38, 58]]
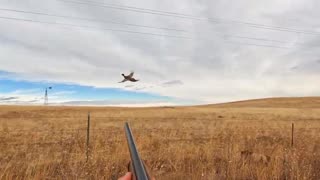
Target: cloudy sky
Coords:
[[183, 51]]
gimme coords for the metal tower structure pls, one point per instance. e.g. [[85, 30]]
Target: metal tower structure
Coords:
[[46, 99]]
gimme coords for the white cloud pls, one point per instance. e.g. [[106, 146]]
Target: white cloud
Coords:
[[172, 83], [211, 69]]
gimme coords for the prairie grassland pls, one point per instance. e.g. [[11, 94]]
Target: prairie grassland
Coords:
[[244, 140]]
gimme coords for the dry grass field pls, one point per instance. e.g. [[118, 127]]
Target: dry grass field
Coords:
[[242, 140]]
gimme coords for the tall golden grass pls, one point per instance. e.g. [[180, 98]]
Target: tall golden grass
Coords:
[[246, 140]]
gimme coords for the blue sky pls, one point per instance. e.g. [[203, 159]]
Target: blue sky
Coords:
[[27, 91]]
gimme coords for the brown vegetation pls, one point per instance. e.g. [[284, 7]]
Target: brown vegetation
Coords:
[[243, 140]]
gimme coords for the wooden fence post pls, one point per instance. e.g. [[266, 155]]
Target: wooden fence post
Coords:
[[88, 137], [292, 131]]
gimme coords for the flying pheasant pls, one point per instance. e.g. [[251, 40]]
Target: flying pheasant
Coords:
[[128, 78]]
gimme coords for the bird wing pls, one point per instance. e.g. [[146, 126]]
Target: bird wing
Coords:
[[131, 74], [123, 81], [134, 80]]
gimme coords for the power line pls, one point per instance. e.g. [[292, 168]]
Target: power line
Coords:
[[144, 9], [253, 38], [186, 16], [63, 16], [90, 27], [125, 31], [259, 45], [87, 19], [126, 9], [217, 20]]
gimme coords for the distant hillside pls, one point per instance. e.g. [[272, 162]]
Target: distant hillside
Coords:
[[284, 102]]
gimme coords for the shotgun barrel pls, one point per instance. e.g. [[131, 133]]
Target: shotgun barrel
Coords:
[[137, 169]]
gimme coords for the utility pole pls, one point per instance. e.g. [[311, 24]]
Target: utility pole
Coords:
[[46, 99]]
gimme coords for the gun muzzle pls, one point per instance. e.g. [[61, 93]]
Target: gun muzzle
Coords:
[[136, 167]]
